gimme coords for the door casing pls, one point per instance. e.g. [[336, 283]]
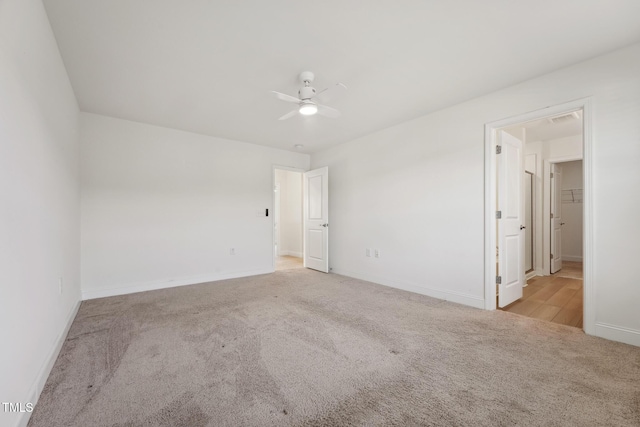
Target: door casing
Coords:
[[584, 104]]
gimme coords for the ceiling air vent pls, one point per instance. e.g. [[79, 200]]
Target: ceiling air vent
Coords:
[[564, 118]]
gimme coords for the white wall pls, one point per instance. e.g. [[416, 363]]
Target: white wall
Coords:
[[416, 191], [572, 214], [39, 210], [162, 207], [290, 212]]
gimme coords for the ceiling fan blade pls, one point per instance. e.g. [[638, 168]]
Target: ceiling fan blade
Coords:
[[332, 89], [289, 115], [323, 110], [285, 97]]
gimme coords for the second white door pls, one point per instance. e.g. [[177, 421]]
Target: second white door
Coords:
[[316, 219], [556, 218]]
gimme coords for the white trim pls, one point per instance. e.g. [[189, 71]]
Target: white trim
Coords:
[[571, 258], [534, 217], [490, 228], [587, 227], [443, 294], [585, 105], [171, 283], [288, 168], [529, 275], [43, 374], [540, 272], [617, 333]]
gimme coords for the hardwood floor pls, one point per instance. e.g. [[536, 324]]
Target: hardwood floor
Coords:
[[556, 298], [571, 269]]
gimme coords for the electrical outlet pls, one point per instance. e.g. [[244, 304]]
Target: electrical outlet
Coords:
[[60, 285], [367, 252], [232, 251], [377, 253]]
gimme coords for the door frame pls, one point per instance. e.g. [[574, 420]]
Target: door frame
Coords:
[[531, 272], [490, 227], [273, 209], [546, 209]]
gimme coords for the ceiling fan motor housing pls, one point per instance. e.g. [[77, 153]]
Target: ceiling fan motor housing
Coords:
[[306, 92]]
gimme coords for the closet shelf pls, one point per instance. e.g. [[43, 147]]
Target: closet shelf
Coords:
[[572, 195]]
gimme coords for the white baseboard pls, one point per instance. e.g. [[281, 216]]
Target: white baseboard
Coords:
[[571, 258], [457, 297], [171, 283], [291, 253], [45, 370], [617, 333]]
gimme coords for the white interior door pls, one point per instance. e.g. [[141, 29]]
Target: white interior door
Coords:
[[556, 217], [511, 238], [316, 219]]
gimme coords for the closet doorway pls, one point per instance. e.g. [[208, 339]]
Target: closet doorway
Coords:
[[288, 219]]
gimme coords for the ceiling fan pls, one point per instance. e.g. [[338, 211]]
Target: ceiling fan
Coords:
[[307, 105]]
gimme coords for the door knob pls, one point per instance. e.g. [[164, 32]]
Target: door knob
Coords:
[[324, 225], [522, 227], [562, 223]]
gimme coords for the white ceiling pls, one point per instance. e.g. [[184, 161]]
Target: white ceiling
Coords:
[[548, 129], [207, 66]]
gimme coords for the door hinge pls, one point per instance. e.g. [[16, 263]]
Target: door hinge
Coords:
[[551, 174], [498, 149], [498, 214], [551, 256], [498, 280], [551, 214]]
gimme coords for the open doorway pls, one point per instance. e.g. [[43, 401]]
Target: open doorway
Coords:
[[542, 268], [288, 220], [566, 219]]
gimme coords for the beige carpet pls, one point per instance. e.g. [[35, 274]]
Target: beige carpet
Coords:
[[301, 348]]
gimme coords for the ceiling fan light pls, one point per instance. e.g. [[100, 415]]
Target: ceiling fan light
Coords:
[[308, 109]]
